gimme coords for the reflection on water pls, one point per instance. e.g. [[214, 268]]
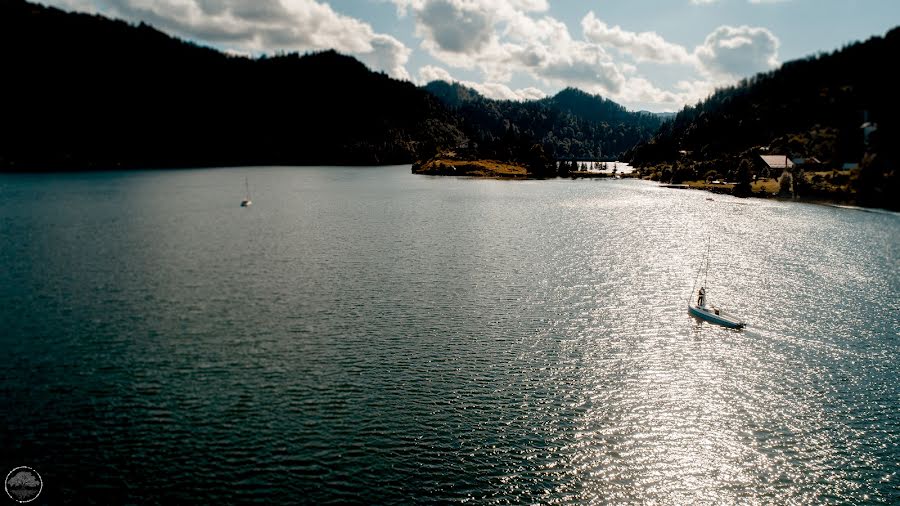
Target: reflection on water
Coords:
[[370, 335], [615, 167]]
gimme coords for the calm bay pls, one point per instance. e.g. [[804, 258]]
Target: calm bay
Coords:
[[369, 335]]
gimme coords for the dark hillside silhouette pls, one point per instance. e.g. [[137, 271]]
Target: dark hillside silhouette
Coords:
[[840, 90], [840, 107], [571, 124], [84, 91]]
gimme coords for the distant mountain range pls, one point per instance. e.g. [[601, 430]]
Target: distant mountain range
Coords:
[[571, 124], [84, 91], [665, 116]]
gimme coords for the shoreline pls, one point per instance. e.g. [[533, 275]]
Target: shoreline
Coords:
[[479, 168], [723, 190], [441, 167]]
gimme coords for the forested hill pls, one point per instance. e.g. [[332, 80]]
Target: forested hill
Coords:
[[838, 107], [571, 124], [85, 91]]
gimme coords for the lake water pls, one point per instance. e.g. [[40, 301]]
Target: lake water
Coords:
[[367, 335]]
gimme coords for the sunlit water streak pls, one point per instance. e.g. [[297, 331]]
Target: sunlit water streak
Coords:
[[368, 335]]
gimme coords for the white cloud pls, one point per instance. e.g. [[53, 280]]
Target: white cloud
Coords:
[[692, 92], [501, 91], [430, 73], [641, 91], [511, 38], [530, 5], [493, 90], [387, 54], [262, 26], [730, 52], [503, 37], [455, 27], [707, 2], [74, 5], [644, 46], [727, 53], [582, 69], [500, 40]]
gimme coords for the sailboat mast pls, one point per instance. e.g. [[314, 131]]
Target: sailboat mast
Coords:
[[708, 246]]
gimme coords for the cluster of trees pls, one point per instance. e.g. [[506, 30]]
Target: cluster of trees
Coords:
[[575, 165], [813, 107], [686, 169], [571, 124], [85, 91]]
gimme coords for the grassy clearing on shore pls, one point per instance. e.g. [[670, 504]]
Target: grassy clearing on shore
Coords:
[[703, 185], [477, 168], [769, 186]]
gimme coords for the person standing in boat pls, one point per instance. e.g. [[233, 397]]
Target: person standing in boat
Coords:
[[701, 297]]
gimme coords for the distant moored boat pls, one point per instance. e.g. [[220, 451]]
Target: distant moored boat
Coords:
[[246, 202]]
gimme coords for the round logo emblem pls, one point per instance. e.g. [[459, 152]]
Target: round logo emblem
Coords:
[[23, 484]]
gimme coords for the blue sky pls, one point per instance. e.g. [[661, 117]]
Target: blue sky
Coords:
[[656, 55]]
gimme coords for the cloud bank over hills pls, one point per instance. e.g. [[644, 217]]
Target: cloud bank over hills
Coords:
[[507, 49]]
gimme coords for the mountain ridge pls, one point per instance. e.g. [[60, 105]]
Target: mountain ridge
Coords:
[[572, 124], [94, 92], [91, 92]]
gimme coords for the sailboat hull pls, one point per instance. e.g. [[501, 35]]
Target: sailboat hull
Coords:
[[709, 314], [246, 202]]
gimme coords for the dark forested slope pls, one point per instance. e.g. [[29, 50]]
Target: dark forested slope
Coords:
[[571, 124], [837, 107], [83, 91], [86, 91]]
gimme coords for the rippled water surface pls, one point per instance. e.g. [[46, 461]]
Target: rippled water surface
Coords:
[[367, 335]]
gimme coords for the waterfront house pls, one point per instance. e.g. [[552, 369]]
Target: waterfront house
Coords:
[[775, 164]]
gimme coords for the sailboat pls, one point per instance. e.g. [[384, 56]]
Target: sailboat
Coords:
[[700, 309], [246, 202]]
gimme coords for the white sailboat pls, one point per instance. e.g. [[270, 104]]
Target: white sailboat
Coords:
[[700, 309], [246, 202]]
